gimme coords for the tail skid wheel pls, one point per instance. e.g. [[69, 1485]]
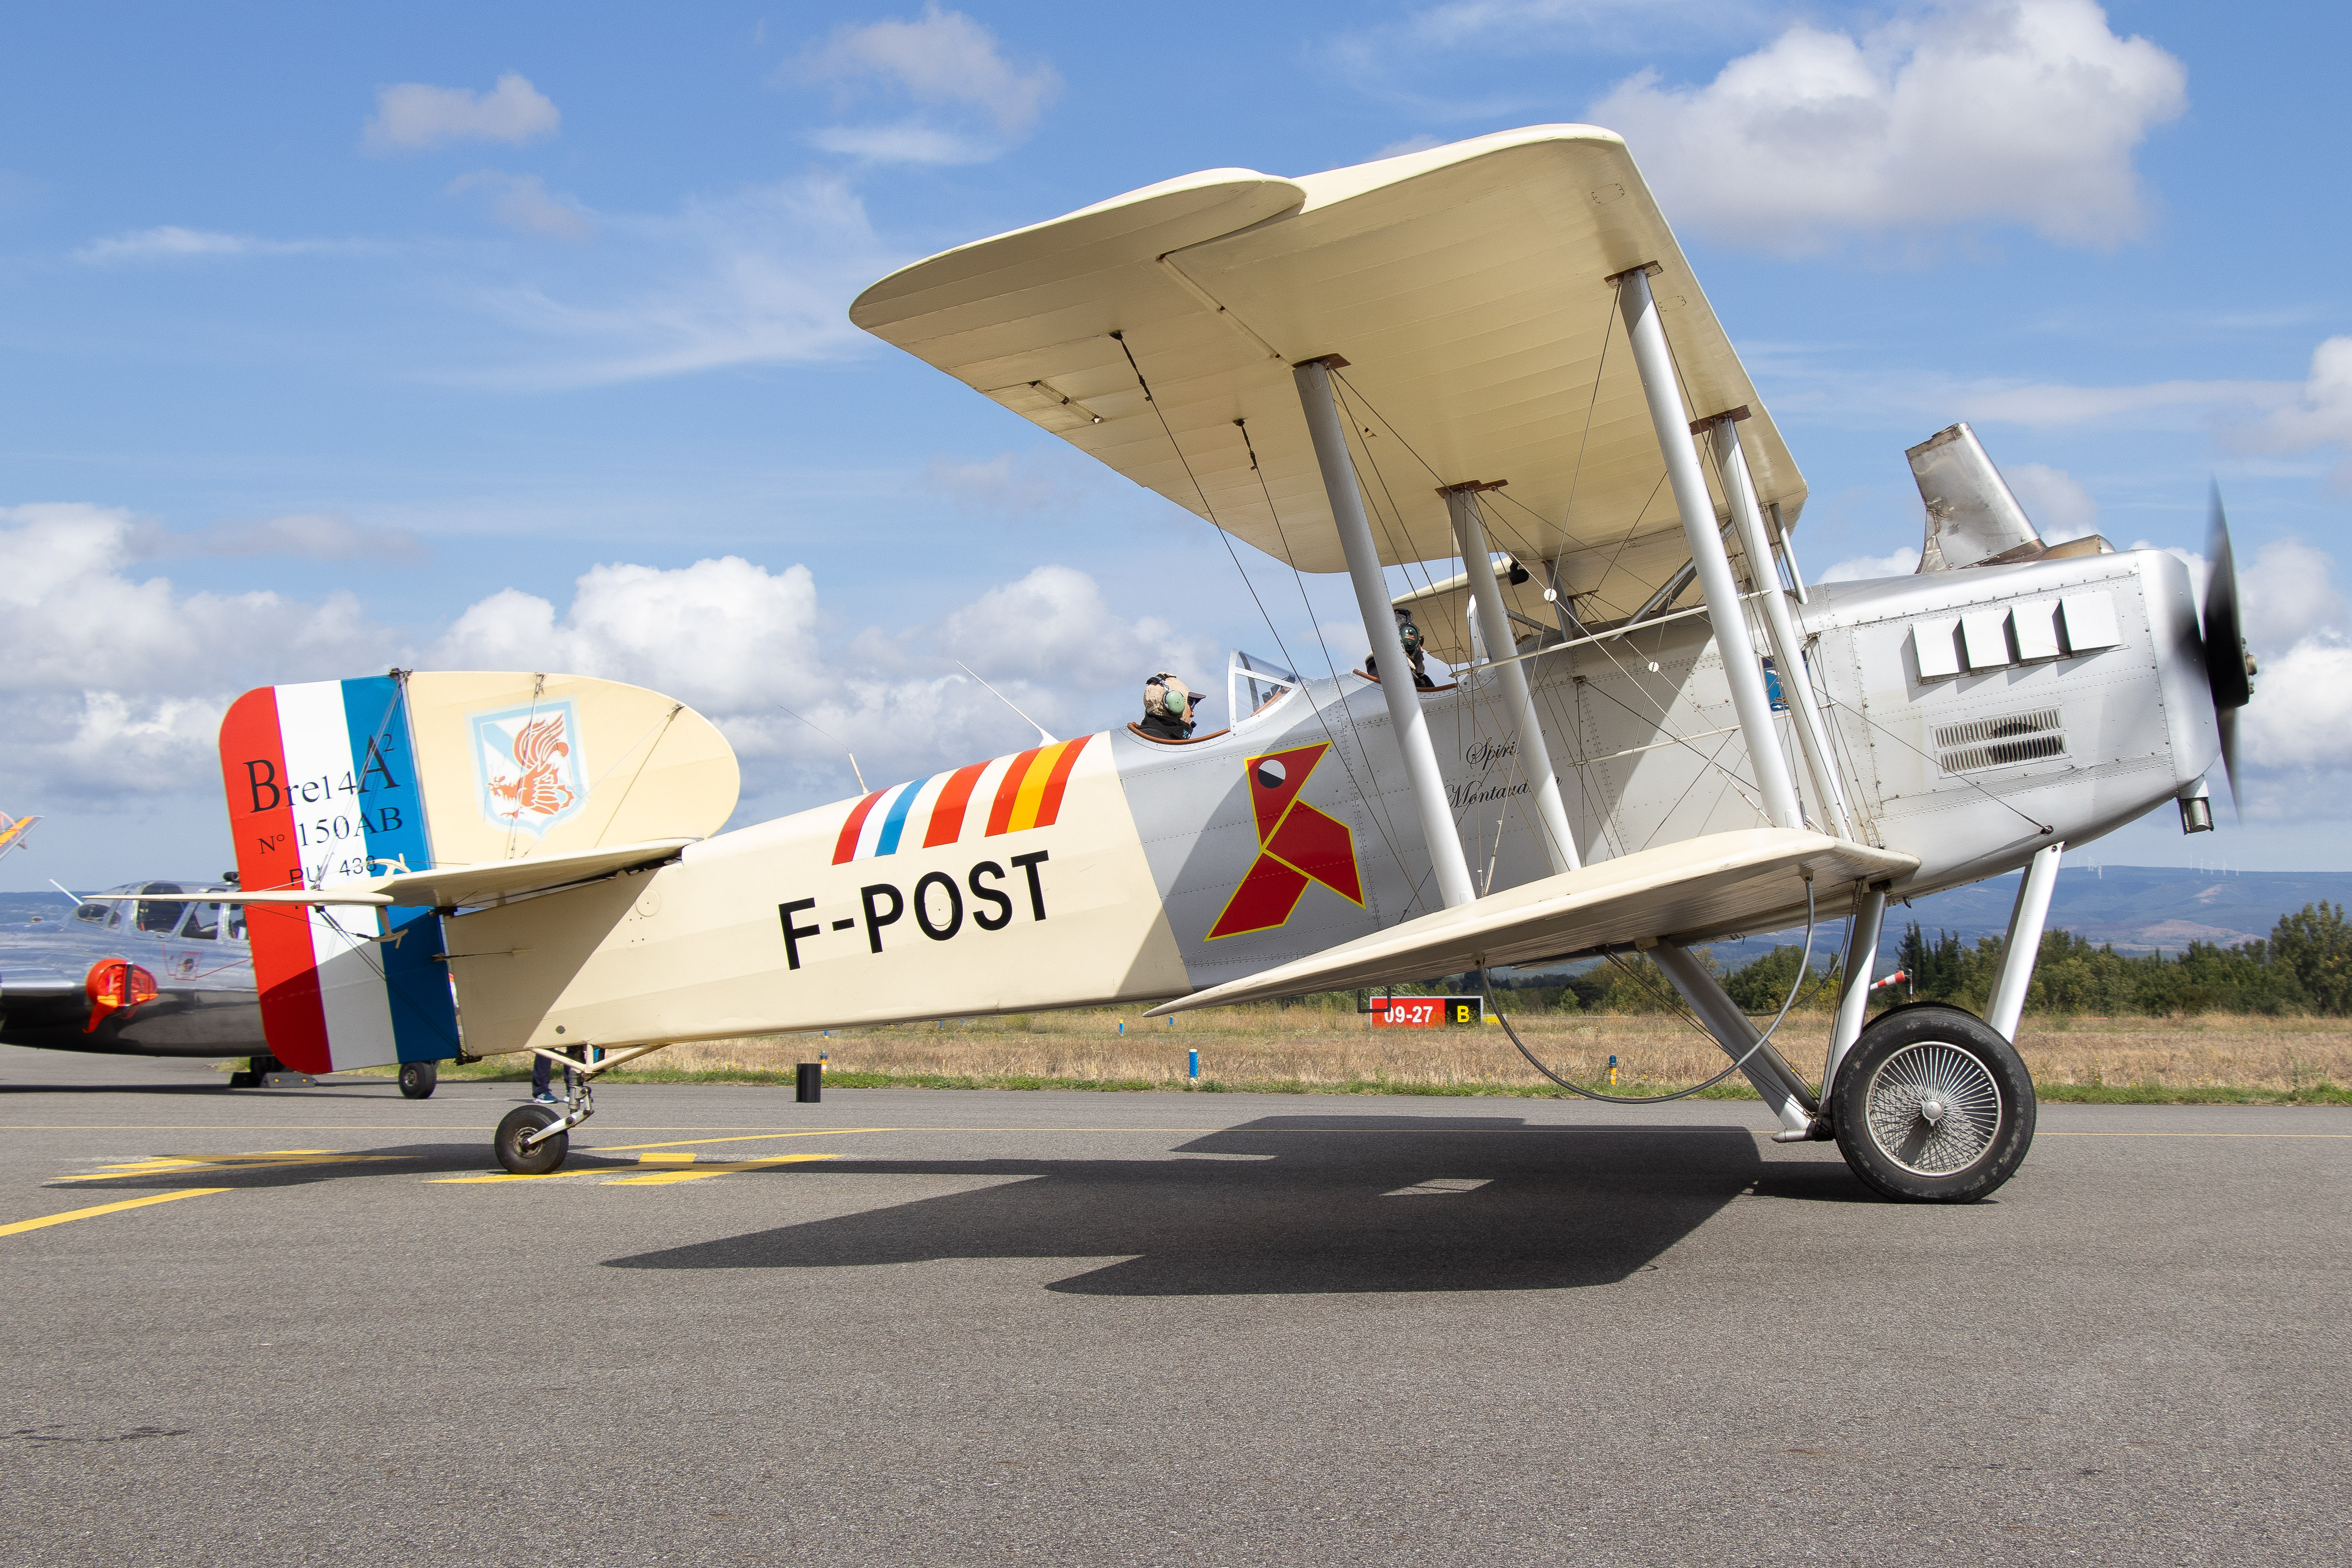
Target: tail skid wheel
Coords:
[[418, 1079], [542, 1157], [1934, 1106]]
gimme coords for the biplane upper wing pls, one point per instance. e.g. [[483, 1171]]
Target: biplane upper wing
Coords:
[[1466, 287], [1702, 886]]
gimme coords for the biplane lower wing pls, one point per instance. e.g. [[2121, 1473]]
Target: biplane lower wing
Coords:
[[1715, 883]]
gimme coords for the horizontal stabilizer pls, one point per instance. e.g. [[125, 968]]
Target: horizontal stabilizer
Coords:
[[1716, 882], [460, 886]]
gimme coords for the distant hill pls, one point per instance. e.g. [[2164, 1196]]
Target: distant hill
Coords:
[[2136, 908]]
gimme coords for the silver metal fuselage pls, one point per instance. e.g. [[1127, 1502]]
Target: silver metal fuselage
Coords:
[[195, 947], [1971, 772]]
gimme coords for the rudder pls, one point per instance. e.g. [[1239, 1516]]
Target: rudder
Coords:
[[322, 788]]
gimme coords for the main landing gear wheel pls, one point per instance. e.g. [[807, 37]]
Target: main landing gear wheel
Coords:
[[1933, 1105], [542, 1157], [418, 1079]]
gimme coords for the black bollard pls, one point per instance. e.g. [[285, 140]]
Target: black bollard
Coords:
[[809, 1083]]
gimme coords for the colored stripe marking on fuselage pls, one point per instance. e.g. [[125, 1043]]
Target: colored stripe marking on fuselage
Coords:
[[930, 813]]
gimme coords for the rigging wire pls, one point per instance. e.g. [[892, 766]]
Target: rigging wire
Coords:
[[1461, 812], [1234, 555], [1805, 968], [1373, 806]]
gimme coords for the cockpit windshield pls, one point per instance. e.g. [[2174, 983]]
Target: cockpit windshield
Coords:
[[1253, 685], [157, 916]]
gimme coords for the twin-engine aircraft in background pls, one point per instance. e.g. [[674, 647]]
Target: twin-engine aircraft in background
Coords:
[[147, 969], [1658, 734]]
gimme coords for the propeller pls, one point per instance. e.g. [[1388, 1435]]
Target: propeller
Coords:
[[2229, 663]]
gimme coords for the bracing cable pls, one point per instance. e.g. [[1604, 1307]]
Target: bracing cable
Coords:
[[1805, 968]]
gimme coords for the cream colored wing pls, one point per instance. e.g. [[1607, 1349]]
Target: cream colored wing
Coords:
[[1716, 882], [1467, 288]]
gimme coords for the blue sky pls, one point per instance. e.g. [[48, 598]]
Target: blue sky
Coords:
[[518, 340]]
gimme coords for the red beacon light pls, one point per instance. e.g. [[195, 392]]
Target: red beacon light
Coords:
[[116, 985]]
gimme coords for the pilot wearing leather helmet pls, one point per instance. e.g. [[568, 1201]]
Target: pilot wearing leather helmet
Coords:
[[1410, 635], [1169, 707]]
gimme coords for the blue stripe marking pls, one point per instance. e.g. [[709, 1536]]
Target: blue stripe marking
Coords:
[[895, 822], [423, 1011]]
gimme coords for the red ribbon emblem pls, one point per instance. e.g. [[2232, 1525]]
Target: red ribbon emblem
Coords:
[[1296, 844]]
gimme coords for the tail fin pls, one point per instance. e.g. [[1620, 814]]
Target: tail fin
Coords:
[[13, 830], [342, 780], [321, 785]]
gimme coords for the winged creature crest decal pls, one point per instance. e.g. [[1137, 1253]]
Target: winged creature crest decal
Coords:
[[527, 763]]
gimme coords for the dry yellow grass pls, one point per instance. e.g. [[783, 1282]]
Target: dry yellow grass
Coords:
[[1266, 1044]]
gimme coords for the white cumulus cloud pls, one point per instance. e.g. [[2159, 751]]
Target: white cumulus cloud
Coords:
[[2061, 509], [115, 685], [2287, 595], [1862, 568], [743, 644], [2320, 414], [413, 115], [1986, 112], [2295, 738], [970, 101]]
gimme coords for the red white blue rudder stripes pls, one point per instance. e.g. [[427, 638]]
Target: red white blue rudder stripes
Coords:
[[322, 788]]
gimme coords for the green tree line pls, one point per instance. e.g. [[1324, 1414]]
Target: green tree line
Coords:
[[2305, 967]]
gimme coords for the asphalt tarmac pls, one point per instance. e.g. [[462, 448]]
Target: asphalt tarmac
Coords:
[[912, 1327]]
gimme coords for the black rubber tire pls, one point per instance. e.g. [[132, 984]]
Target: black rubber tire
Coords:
[[1984, 1143], [541, 1158], [418, 1079]]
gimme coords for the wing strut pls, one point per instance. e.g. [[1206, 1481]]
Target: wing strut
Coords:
[[1446, 857], [1470, 537], [1788, 648], [1740, 670]]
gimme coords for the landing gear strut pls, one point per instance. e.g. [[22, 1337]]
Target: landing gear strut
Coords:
[[532, 1140]]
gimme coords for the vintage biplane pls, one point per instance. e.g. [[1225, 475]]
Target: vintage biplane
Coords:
[[1489, 361]]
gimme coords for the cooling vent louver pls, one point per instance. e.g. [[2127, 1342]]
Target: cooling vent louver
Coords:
[[1998, 742]]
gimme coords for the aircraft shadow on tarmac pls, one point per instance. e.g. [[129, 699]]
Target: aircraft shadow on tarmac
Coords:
[[1314, 1211]]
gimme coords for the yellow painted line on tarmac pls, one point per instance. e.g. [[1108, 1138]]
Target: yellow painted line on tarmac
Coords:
[[673, 1176], [747, 1138], [47, 1220], [668, 1171], [507, 1175], [276, 1159]]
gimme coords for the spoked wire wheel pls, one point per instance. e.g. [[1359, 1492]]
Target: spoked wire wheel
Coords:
[[1934, 1108], [1933, 1105]]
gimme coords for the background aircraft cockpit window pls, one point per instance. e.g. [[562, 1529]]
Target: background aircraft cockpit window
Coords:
[[236, 922], [202, 923], [95, 914], [157, 916]]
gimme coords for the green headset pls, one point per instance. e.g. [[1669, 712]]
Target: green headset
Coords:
[[1174, 700]]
